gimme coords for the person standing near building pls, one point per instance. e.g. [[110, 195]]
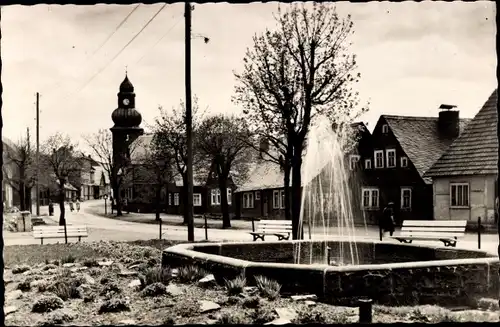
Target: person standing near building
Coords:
[[71, 207], [77, 202], [387, 221]]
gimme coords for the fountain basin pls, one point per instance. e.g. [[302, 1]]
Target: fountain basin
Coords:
[[388, 273]]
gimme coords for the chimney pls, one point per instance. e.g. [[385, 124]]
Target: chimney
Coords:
[[448, 121], [263, 147]]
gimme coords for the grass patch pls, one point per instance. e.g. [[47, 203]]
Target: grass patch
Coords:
[[156, 275], [190, 274], [267, 287], [235, 286]]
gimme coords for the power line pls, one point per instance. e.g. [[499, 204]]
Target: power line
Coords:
[[124, 20], [123, 48], [159, 40]]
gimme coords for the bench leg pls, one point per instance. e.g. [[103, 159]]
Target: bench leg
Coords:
[[41, 241], [79, 239], [256, 237]]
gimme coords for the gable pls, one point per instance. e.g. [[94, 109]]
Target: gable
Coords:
[[475, 151]]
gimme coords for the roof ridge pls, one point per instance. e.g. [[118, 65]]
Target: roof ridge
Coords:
[[417, 117]]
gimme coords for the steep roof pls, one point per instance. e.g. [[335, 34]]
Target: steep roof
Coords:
[[475, 152], [420, 139]]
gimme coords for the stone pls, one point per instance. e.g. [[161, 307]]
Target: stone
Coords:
[[250, 289], [304, 297], [210, 321], [286, 313], [14, 295], [135, 283], [128, 273], [175, 272], [75, 269], [51, 272], [310, 303], [7, 280], [88, 279], [279, 321], [10, 309], [36, 283], [173, 290], [208, 280], [208, 306], [127, 322], [105, 263], [69, 265]]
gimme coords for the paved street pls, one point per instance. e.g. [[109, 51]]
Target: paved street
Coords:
[[101, 228]]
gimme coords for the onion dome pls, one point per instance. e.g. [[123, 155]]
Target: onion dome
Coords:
[[123, 117], [126, 86]]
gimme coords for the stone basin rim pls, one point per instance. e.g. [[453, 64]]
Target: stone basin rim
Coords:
[[187, 250]]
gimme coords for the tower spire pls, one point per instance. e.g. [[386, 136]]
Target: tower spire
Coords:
[[126, 70]]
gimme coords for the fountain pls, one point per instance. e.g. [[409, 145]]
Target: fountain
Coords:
[[387, 272]]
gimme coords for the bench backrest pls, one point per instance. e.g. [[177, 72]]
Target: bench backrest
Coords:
[[438, 228], [58, 231], [274, 226]]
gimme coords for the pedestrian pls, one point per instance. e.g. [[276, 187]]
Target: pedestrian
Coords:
[[51, 208], [388, 224], [496, 210], [77, 205], [71, 207]]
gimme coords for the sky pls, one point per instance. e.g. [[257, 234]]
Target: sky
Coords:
[[412, 57]]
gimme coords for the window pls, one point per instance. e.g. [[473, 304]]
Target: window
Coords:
[[459, 194], [404, 162], [128, 193], [276, 199], [379, 158], [176, 199], [197, 199], [385, 129], [257, 195], [229, 195], [391, 158], [370, 198], [169, 199], [282, 198], [368, 163], [405, 198], [353, 160], [248, 200], [215, 197]]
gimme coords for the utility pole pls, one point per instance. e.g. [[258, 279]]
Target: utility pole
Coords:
[[27, 203], [37, 154], [189, 124]]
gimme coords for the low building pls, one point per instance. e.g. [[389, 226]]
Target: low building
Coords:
[[465, 176]]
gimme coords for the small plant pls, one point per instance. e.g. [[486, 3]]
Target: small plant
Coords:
[[20, 269], [168, 320], [47, 304], [114, 305], [233, 318], [43, 286], [267, 287], [110, 288], [155, 289], [50, 266], [235, 286], [66, 288], [487, 304], [68, 259], [262, 316], [58, 317], [90, 263], [147, 253], [190, 274], [251, 302], [156, 275], [25, 285]]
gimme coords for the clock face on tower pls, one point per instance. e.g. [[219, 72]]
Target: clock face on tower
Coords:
[[126, 102]]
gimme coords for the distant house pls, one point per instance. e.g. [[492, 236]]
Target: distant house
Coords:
[[404, 148], [10, 170], [465, 176], [88, 187], [140, 192], [263, 194]]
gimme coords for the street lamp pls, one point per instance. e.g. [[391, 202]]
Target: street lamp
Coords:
[[105, 204]]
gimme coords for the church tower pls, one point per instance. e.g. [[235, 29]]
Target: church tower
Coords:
[[127, 123]]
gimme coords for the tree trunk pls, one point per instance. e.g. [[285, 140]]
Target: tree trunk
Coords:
[[22, 196], [288, 198], [62, 216], [184, 195], [298, 233], [118, 200], [226, 221]]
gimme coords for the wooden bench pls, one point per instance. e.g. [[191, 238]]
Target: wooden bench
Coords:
[[446, 231], [280, 228], [42, 232]]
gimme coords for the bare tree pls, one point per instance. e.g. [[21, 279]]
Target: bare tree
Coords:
[[299, 72], [101, 144], [19, 170], [222, 140], [60, 159], [170, 138]]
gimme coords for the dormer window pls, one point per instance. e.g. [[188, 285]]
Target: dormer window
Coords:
[[391, 158], [353, 161], [385, 129], [404, 162], [368, 163]]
